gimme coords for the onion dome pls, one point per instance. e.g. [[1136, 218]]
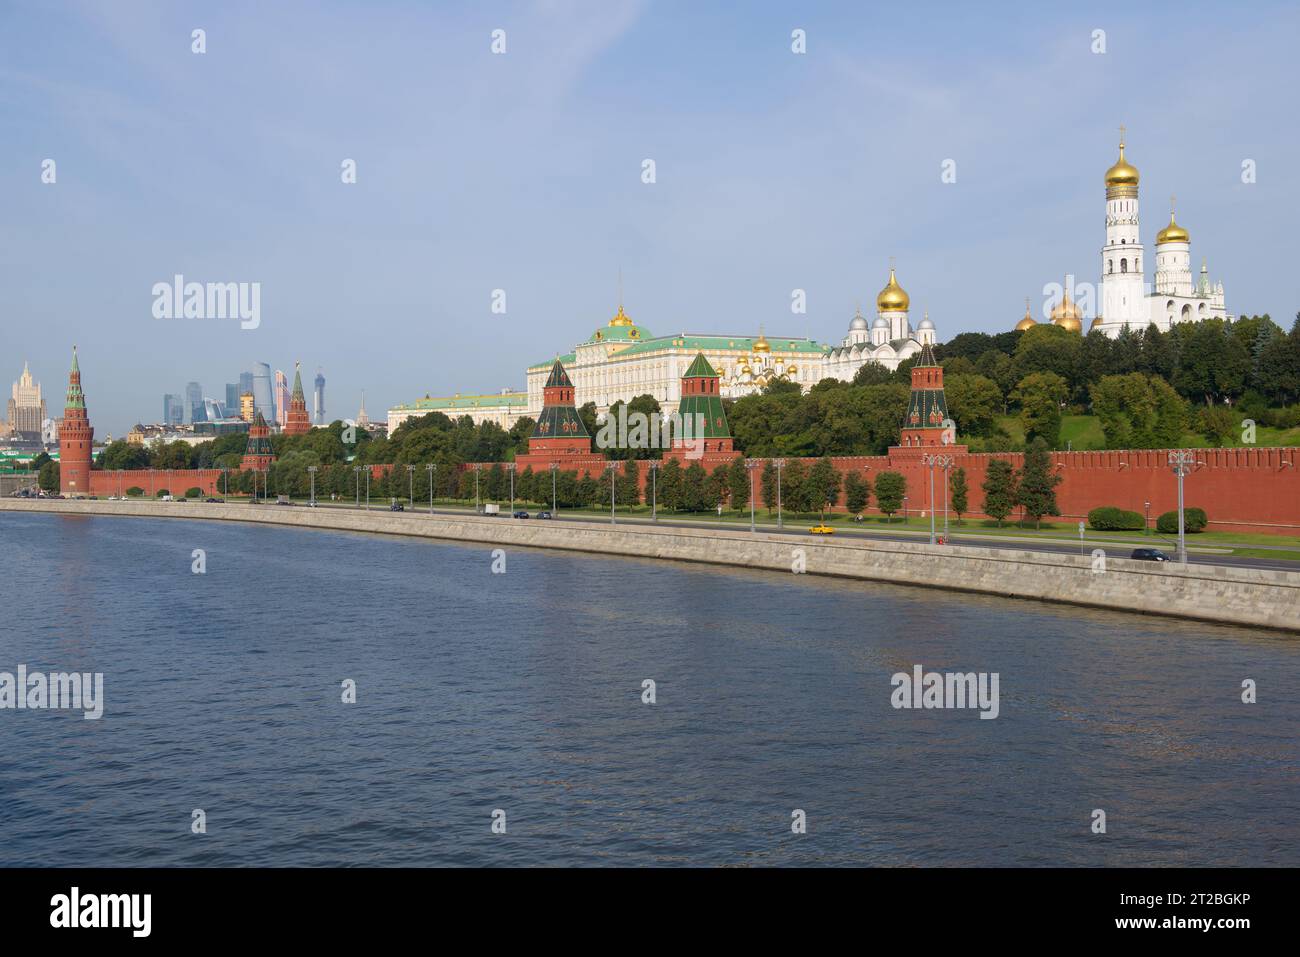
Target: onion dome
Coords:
[[858, 323], [925, 322], [1173, 233], [761, 344], [792, 369], [1067, 314], [1028, 321], [893, 298], [1123, 175], [880, 323]]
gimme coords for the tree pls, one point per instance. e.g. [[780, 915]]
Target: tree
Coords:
[[1036, 493], [999, 490], [47, 477], [767, 486], [973, 403], [794, 486], [823, 484], [1138, 411], [872, 373], [1040, 396], [695, 490], [890, 489], [738, 480], [857, 493], [671, 485], [959, 492]]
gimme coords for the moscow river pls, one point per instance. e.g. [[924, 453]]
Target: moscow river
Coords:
[[522, 693]]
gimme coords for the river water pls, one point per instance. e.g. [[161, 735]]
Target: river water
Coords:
[[522, 693]]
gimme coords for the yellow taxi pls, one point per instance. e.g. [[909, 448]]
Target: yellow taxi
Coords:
[[822, 530]]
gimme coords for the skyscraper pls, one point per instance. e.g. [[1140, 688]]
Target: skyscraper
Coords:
[[232, 396], [319, 409], [262, 399], [194, 403], [173, 410], [281, 398], [26, 409]]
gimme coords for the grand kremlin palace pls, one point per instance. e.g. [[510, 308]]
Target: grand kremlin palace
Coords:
[[622, 360]]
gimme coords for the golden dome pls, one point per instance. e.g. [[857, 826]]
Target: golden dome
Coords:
[[621, 318], [1028, 321], [893, 298], [1123, 173], [792, 369], [1173, 233], [746, 370], [760, 344], [1067, 314]]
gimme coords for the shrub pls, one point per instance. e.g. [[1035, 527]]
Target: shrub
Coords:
[[1194, 520], [193, 492], [161, 492], [135, 491], [1108, 518]]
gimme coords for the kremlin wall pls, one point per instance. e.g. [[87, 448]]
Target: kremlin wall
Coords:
[[1242, 490]]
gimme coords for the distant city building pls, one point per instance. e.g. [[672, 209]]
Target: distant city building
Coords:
[[213, 411], [281, 398], [232, 395], [318, 410], [296, 421], [245, 382], [363, 420], [49, 432], [194, 411], [173, 409], [26, 409], [263, 399], [246, 406]]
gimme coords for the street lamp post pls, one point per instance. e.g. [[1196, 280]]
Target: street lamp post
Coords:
[[612, 469], [943, 462], [750, 466], [1146, 522], [410, 476], [555, 468], [366, 469], [904, 509], [356, 470], [311, 469], [780, 464], [477, 468], [429, 470], [510, 467], [225, 485], [1182, 464], [153, 492], [654, 490]]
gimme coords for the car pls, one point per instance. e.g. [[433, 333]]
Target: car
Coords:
[[822, 530], [521, 514], [217, 500], [168, 498], [1149, 555], [544, 515], [397, 507]]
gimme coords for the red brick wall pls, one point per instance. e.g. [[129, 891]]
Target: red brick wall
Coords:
[[106, 483]]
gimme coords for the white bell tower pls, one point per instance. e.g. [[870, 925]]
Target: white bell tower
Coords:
[[1123, 296]]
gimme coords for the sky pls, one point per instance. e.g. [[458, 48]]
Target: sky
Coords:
[[522, 171]]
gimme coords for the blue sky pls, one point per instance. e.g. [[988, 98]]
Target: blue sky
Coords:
[[522, 172]]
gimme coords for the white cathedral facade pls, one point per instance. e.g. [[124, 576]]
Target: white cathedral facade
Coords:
[[1126, 300]]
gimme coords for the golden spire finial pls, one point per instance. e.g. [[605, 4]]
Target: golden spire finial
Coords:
[[1121, 137]]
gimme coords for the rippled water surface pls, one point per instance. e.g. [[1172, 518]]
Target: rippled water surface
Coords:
[[522, 692]]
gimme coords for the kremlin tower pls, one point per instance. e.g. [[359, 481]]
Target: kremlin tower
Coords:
[[258, 455], [701, 412], [927, 409], [559, 429], [297, 421], [75, 437]]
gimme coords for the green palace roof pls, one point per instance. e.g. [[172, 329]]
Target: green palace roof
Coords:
[[568, 358], [510, 400]]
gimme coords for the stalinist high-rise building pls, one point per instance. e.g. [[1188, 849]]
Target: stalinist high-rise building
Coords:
[[26, 409]]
